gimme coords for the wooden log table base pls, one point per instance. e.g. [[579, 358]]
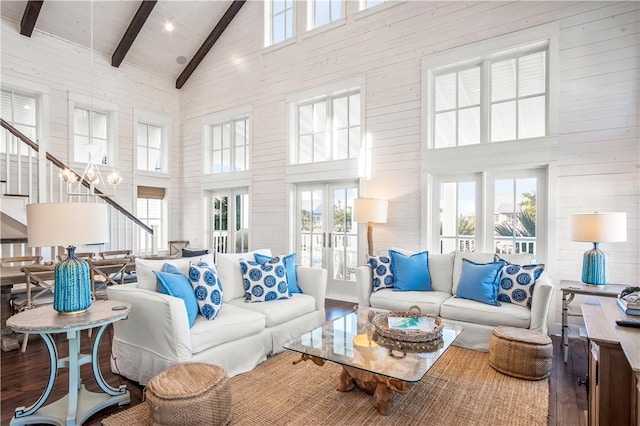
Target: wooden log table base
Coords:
[[381, 387]]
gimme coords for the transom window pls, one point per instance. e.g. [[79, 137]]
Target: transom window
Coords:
[[492, 100], [365, 4], [322, 12], [149, 147], [328, 128], [228, 149], [278, 21], [90, 136]]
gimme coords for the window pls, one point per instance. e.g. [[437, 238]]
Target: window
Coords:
[[229, 220], [328, 128], [149, 147], [19, 109], [509, 222], [278, 21], [501, 97], [365, 4], [151, 138], [323, 12], [152, 211], [228, 146], [90, 136]]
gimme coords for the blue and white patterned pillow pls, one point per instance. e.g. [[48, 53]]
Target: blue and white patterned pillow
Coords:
[[518, 282], [381, 272], [207, 288], [264, 282]]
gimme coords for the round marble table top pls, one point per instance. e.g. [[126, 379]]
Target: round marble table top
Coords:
[[46, 320]]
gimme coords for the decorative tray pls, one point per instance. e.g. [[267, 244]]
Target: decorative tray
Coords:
[[381, 326]]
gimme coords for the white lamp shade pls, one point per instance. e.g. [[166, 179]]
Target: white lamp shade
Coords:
[[370, 210], [599, 227], [67, 224]]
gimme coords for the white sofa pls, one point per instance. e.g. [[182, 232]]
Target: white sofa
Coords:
[[156, 334], [477, 319]]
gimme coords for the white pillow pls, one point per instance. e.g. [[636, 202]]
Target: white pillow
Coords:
[[228, 266], [145, 268]]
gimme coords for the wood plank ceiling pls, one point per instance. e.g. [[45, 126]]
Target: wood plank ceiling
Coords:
[[132, 32]]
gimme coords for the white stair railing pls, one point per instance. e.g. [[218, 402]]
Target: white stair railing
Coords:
[[26, 172]]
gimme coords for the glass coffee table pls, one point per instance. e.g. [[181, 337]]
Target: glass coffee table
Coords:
[[376, 369]]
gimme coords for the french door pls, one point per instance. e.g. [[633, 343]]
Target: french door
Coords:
[[326, 235], [229, 220]]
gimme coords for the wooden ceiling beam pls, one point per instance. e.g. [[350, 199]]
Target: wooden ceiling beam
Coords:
[[29, 17], [132, 31], [209, 42]]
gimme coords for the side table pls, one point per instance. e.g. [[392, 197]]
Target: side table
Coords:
[[569, 290], [79, 404]]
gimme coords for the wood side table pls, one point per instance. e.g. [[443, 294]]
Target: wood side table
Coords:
[[569, 290], [79, 404]]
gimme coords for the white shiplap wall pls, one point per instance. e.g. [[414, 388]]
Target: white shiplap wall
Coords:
[[43, 63], [598, 154]]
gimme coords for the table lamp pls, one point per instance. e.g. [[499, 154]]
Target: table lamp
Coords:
[[68, 224], [597, 228], [370, 210]]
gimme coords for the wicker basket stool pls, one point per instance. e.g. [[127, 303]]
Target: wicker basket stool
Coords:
[[520, 352], [184, 394]]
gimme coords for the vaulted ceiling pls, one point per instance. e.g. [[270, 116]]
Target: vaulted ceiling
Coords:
[[101, 25]]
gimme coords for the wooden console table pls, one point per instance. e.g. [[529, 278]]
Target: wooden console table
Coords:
[[614, 366], [79, 404], [569, 290]]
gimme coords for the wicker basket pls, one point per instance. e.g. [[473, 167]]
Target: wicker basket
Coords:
[[381, 324]]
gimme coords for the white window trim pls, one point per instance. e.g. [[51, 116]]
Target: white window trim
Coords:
[[111, 109], [485, 193], [331, 89], [159, 120], [310, 16], [495, 47], [267, 6], [215, 119], [41, 92]]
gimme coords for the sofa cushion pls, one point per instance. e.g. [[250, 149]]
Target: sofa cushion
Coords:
[[231, 323], [290, 268], [382, 277], [517, 283], [441, 271], [410, 273], [428, 301], [282, 310], [481, 313], [479, 281], [228, 266], [177, 285], [469, 255], [266, 282], [207, 289], [146, 267]]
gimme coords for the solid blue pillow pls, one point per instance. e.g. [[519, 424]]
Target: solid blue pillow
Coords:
[[289, 266], [410, 273], [172, 269], [479, 281], [177, 285]]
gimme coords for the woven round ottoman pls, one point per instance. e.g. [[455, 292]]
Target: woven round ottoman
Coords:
[[189, 394], [520, 352]]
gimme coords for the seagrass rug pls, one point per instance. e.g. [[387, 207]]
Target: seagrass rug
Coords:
[[461, 389]]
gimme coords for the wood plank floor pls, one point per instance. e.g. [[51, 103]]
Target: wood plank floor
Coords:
[[24, 376]]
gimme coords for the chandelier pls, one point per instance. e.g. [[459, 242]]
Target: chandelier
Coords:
[[97, 185]]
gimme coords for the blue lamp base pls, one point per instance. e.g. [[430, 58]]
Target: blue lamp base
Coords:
[[594, 266], [72, 294]]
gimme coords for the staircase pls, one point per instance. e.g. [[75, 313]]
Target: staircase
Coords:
[[29, 176]]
